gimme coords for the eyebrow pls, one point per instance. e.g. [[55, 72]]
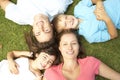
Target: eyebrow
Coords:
[[38, 33]]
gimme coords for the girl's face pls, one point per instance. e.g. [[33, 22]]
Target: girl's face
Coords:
[[42, 28], [44, 61], [69, 46], [67, 22]]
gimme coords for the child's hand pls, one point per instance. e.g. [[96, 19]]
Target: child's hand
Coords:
[[13, 67], [29, 54], [100, 12]]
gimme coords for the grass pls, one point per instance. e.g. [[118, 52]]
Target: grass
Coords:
[[12, 38]]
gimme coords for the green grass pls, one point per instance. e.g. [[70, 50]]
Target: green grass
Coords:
[[12, 38]]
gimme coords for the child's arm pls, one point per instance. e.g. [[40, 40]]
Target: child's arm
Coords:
[[13, 66], [101, 14], [95, 1]]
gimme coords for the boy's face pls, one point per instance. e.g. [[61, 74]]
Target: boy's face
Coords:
[[42, 28], [67, 22]]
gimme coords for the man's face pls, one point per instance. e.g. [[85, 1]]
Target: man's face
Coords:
[[42, 28]]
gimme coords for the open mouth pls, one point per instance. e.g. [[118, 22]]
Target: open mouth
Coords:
[[70, 52]]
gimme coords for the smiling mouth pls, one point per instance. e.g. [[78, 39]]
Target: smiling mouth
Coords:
[[70, 52]]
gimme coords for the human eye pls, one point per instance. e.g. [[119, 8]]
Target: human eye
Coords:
[[64, 44], [44, 57], [50, 62], [37, 34], [74, 43]]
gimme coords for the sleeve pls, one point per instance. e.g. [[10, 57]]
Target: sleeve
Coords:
[[65, 3], [95, 64], [50, 73], [47, 75], [83, 8], [94, 31], [100, 36], [86, 2], [68, 2]]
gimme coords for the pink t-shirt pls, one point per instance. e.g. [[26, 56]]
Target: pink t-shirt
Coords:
[[89, 67]]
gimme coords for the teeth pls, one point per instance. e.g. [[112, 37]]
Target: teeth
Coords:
[[70, 52]]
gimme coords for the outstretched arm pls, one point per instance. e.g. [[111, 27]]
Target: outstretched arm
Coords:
[[108, 73], [102, 15], [13, 66]]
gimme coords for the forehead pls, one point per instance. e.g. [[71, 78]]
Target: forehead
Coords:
[[47, 55], [68, 37], [40, 16]]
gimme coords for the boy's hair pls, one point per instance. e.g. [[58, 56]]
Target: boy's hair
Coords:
[[55, 22]]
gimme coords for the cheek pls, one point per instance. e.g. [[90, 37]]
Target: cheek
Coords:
[[48, 66], [39, 61]]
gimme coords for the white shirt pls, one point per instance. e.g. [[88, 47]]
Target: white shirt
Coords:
[[25, 10], [24, 72]]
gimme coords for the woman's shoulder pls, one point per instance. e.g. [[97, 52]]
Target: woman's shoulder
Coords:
[[54, 69], [89, 59]]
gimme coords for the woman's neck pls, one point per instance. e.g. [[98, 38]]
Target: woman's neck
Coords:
[[70, 64], [71, 68]]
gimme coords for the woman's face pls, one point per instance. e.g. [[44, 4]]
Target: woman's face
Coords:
[[42, 28], [44, 61], [69, 46], [67, 22]]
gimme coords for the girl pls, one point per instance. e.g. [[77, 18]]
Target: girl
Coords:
[[29, 65]]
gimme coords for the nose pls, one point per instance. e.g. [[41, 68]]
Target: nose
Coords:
[[70, 47], [45, 63], [46, 29]]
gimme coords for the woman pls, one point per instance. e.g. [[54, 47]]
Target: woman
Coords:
[[96, 23], [75, 66], [29, 66]]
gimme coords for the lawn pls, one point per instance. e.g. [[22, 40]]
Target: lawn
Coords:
[[12, 38]]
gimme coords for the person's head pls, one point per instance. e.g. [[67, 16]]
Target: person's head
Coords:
[[45, 58], [63, 21], [42, 28], [70, 45], [33, 43], [41, 35]]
